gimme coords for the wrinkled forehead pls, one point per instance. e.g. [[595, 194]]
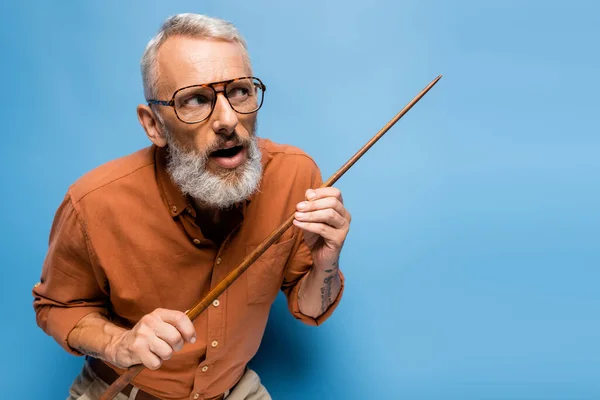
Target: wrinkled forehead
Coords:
[[184, 61]]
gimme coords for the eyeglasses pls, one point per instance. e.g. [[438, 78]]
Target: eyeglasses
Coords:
[[195, 103]]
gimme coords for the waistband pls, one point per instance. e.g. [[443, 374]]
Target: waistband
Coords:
[[108, 375]]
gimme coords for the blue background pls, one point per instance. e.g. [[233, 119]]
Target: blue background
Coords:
[[472, 264]]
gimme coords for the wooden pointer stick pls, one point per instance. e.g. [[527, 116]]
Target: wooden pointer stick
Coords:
[[199, 307]]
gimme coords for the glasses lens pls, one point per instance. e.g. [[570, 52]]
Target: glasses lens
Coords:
[[245, 95], [194, 104]]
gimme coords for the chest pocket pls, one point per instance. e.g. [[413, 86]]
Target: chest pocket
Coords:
[[265, 275]]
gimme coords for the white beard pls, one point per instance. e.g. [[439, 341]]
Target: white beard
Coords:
[[188, 170]]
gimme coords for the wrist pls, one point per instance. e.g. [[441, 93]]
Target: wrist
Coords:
[[326, 268], [112, 350]]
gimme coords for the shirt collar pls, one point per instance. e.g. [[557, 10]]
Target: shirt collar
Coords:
[[174, 199]]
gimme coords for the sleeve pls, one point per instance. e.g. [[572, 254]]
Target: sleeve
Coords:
[[68, 289], [300, 263]]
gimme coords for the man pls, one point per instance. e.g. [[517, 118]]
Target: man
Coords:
[[142, 238]]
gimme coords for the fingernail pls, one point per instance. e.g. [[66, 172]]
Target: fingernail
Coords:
[[301, 206], [193, 339], [310, 195]]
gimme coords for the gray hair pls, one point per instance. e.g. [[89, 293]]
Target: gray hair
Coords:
[[192, 25]]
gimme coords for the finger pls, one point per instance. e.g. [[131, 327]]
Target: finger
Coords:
[[328, 216], [320, 193], [328, 233], [180, 321], [150, 360], [321, 204], [160, 348], [170, 335]]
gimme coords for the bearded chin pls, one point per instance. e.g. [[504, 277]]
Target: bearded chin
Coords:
[[188, 170]]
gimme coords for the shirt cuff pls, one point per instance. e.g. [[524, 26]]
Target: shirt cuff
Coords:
[[295, 308], [61, 321]]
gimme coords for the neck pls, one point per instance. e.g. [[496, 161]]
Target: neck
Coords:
[[216, 224], [207, 213]]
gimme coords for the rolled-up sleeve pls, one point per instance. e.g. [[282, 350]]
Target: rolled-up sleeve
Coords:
[[69, 288], [301, 262]]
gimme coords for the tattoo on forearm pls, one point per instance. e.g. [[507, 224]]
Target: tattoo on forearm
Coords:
[[326, 293], [326, 288], [335, 267]]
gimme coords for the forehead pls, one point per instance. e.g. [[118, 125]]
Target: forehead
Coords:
[[184, 61]]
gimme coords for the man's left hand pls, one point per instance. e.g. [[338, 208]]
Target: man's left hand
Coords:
[[325, 222]]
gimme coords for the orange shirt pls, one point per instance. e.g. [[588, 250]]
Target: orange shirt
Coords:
[[125, 241]]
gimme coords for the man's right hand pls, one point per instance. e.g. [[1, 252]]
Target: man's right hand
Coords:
[[152, 340]]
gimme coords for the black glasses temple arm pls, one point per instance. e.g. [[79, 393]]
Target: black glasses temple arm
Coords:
[[160, 102]]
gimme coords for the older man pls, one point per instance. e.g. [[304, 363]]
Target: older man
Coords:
[[142, 238]]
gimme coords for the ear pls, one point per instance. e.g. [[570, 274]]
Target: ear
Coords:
[[150, 123]]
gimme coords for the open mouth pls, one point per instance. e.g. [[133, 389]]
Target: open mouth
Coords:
[[227, 153]]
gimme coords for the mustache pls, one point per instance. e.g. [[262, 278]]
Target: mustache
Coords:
[[219, 143]]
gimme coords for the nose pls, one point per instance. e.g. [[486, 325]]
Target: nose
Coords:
[[225, 119]]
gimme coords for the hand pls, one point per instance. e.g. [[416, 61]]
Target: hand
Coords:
[[153, 339], [325, 222]]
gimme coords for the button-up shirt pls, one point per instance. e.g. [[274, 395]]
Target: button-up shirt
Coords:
[[126, 241]]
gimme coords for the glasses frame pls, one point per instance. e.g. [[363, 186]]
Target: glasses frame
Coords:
[[171, 103]]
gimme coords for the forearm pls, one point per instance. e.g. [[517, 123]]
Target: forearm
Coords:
[[318, 290], [95, 336]]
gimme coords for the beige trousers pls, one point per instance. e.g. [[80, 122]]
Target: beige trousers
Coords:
[[87, 386]]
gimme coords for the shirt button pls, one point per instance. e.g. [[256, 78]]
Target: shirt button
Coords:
[[204, 369], [196, 395], [196, 241], [218, 260], [216, 303], [214, 343]]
